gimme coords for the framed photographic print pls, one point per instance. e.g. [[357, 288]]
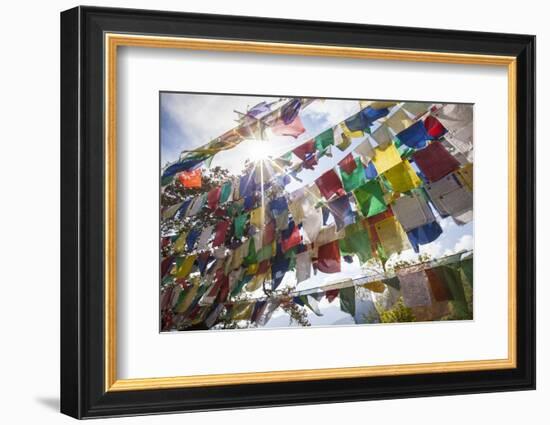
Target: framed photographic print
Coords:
[[261, 212]]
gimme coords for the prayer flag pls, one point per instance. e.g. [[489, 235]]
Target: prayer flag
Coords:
[[226, 191], [435, 162], [414, 288], [221, 231], [385, 158], [433, 127], [355, 178], [391, 236], [382, 136], [341, 211], [213, 198], [449, 197], [416, 108], [239, 224], [257, 217], [191, 179], [290, 237], [293, 128], [439, 288], [402, 177], [180, 243], [329, 184], [399, 121], [348, 164], [192, 238], [412, 210], [365, 150], [370, 198], [303, 266], [331, 294], [424, 234], [305, 150], [324, 140], [414, 136], [347, 300], [328, 258], [184, 266]]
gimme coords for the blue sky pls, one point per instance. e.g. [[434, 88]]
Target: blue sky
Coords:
[[192, 120]]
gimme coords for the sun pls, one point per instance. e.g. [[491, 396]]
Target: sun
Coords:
[[259, 150]]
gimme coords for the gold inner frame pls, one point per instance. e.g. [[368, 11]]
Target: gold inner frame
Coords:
[[113, 41]]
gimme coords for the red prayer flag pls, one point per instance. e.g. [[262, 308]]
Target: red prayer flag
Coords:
[[328, 258], [263, 267], [293, 240], [305, 149], [435, 162], [434, 127], [348, 164], [221, 231], [214, 197], [294, 128], [191, 179], [329, 184], [331, 295]]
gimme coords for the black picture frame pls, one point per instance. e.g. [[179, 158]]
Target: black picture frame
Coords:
[[83, 392]]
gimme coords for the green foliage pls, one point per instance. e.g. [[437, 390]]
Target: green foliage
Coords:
[[399, 313]]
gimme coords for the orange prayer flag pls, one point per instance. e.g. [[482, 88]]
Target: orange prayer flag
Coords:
[[191, 179]]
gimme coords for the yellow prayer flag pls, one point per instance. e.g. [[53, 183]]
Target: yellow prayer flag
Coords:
[[242, 311], [256, 282], [466, 175], [180, 243], [385, 158], [188, 299], [376, 286], [402, 177], [351, 134], [392, 236], [257, 217], [185, 268]]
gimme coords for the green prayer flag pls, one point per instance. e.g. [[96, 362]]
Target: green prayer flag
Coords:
[[225, 192], [356, 178], [347, 300], [467, 268], [251, 258], [324, 140], [356, 241], [264, 253], [370, 198], [240, 223]]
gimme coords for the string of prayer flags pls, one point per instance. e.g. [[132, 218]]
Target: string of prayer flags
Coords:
[[347, 300], [412, 210], [370, 198], [414, 288], [352, 180], [385, 158], [402, 177], [414, 136], [435, 162], [329, 184], [328, 258], [342, 212]]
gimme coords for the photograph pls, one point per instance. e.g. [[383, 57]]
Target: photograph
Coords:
[[285, 211]]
